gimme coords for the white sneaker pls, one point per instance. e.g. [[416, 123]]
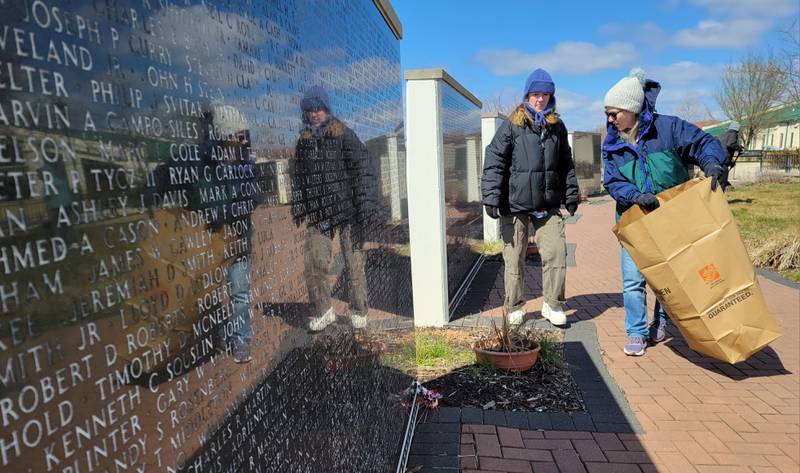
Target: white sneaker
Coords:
[[315, 324], [358, 320], [516, 317], [555, 316]]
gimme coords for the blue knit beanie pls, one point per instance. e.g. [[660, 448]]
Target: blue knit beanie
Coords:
[[539, 81], [315, 97]]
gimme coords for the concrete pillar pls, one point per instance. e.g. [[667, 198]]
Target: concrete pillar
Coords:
[[281, 175], [426, 214], [490, 122], [394, 177], [474, 170]]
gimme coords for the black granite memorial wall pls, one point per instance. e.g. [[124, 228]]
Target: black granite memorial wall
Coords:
[[461, 129], [202, 248], [586, 151]]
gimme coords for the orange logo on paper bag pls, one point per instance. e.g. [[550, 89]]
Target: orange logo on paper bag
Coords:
[[709, 273]]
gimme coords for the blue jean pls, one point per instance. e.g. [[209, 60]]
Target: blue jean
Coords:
[[239, 280], [634, 296]]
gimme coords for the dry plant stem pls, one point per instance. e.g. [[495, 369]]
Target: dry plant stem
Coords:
[[507, 338]]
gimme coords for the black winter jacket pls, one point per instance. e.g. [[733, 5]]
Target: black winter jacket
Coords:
[[333, 183], [730, 143], [528, 167]]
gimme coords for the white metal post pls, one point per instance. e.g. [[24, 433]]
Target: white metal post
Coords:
[[426, 215], [490, 122]]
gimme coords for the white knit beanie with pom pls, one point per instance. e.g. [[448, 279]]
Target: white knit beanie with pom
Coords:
[[628, 93]]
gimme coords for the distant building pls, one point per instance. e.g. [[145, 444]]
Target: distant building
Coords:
[[782, 131], [705, 123]]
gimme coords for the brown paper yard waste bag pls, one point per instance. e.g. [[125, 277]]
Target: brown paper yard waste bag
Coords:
[[690, 252]]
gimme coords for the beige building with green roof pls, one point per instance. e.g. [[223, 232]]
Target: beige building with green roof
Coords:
[[783, 132]]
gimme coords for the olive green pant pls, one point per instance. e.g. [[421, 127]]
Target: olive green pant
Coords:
[[319, 253], [551, 240]]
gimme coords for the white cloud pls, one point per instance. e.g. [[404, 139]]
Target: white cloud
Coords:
[[734, 23], [731, 24], [361, 75], [689, 103], [685, 72], [736, 33], [647, 33], [569, 101], [566, 58], [502, 100], [580, 113], [673, 96], [749, 8]]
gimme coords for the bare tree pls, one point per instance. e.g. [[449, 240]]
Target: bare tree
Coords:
[[690, 109], [709, 113], [748, 90], [504, 102], [790, 61]]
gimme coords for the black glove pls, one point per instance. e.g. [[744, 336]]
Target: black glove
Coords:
[[492, 211], [714, 171], [571, 208], [648, 202]]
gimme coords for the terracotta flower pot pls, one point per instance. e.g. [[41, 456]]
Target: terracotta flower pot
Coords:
[[518, 361]]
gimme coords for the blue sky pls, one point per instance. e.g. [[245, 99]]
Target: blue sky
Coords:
[[491, 46]]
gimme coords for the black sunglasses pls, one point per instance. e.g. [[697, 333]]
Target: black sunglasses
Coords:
[[613, 114]]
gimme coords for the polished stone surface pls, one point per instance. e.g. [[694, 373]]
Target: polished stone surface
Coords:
[[461, 130], [186, 186]]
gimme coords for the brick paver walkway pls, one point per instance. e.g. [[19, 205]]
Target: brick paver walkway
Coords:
[[698, 414]]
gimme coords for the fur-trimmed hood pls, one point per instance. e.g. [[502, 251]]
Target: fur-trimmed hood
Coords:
[[520, 117], [529, 167], [334, 128]]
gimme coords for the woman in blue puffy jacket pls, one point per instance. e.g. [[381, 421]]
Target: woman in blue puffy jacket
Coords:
[[644, 154]]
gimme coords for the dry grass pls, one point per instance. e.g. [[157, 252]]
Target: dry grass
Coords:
[[782, 254], [768, 216], [433, 352]]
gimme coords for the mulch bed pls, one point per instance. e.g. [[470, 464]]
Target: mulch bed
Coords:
[[487, 388]]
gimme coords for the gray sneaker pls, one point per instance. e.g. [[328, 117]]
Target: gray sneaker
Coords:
[[658, 331], [241, 353], [358, 320], [636, 345], [317, 324], [516, 317]]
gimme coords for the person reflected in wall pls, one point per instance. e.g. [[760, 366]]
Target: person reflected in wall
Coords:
[[225, 196], [731, 146], [645, 153], [235, 179], [242, 199], [330, 197], [528, 173]]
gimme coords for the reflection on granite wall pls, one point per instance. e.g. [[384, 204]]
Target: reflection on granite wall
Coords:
[[587, 155], [202, 237], [461, 129]]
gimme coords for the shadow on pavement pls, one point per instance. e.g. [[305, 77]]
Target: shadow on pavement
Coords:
[[453, 438], [764, 363]]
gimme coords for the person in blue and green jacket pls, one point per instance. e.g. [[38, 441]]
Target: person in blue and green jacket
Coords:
[[645, 153]]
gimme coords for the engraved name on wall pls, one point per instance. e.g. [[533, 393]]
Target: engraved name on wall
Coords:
[[153, 232]]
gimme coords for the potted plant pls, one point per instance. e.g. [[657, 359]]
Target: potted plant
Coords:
[[508, 347]]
